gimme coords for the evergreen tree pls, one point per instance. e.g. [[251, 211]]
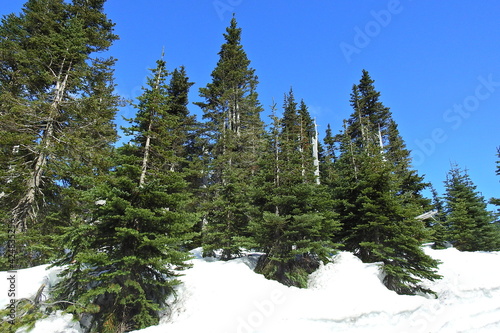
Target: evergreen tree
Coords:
[[378, 195], [177, 91], [188, 143], [371, 123], [438, 226], [330, 142], [328, 157], [294, 223], [470, 223], [57, 108], [234, 130], [496, 201], [124, 259]]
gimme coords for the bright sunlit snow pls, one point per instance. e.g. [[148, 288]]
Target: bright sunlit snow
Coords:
[[344, 296]]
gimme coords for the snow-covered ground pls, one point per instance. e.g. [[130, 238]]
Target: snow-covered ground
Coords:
[[344, 296]]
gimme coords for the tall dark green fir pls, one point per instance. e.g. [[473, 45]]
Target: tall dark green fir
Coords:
[[496, 201], [294, 222], [124, 260], [57, 107], [470, 223], [234, 131], [378, 194]]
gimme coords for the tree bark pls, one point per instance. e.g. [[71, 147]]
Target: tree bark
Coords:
[[316, 153], [147, 144], [27, 207]]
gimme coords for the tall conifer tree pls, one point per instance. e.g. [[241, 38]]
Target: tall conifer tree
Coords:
[[234, 130], [438, 226], [328, 157], [496, 201], [183, 136], [471, 225], [57, 108], [294, 223], [187, 142], [378, 195], [122, 262]]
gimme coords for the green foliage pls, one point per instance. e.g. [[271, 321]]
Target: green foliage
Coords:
[[233, 131], [293, 222], [496, 201], [27, 314], [125, 260], [377, 195], [23, 313], [121, 220], [55, 93], [125, 257], [437, 225], [470, 223], [328, 157]]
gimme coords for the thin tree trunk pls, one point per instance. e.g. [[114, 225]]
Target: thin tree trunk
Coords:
[[302, 138], [360, 116], [278, 171], [147, 144], [381, 143], [145, 159], [27, 208], [316, 153]]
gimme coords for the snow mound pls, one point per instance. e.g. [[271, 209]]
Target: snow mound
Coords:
[[28, 282], [56, 323], [345, 295], [347, 274]]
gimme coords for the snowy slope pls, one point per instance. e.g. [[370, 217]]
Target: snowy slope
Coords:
[[344, 296]]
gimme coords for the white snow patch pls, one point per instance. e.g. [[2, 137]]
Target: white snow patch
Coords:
[[56, 323], [343, 296], [28, 282]]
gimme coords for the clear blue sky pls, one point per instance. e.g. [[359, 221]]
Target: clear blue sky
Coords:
[[436, 63]]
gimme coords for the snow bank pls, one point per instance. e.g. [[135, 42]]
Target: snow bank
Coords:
[[343, 296], [56, 323], [27, 284], [28, 281]]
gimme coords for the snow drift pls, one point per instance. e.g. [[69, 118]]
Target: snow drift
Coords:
[[343, 296]]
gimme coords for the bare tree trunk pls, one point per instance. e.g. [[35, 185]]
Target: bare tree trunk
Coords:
[[315, 153], [145, 158], [381, 143], [234, 113], [147, 144], [277, 159], [360, 116], [27, 208], [302, 137], [237, 119]]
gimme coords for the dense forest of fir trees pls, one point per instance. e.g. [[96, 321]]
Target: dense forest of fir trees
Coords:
[[121, 220]]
